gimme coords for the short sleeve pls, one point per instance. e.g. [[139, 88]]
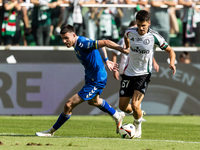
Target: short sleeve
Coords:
[[87, 44], [160, 41]]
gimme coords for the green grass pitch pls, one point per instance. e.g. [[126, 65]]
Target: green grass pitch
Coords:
[[98, 133]]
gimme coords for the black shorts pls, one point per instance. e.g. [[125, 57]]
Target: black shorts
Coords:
[[131, 83]]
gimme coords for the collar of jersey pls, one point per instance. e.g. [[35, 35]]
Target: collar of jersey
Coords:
[[76, 41], [147, 31]]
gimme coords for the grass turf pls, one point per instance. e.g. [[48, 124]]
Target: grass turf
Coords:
[[98, 133]]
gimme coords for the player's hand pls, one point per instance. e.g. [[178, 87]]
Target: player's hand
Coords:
[[156, 67], [116, 74], [111, 65], [173, 67]]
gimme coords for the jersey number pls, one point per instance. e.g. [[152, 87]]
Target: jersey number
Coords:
[[125, 83]]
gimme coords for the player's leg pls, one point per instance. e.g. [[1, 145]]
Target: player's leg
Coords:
[[135, 103], [105, 107], [124, 105], [64, 116], [102, 104], [140, 87], [137, 113], [127, 108]]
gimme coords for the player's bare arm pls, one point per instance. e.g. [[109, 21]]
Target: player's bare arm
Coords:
[[113, 45], [155, 65], [114, 59], [112, 66], [172, 57], [127, 43]]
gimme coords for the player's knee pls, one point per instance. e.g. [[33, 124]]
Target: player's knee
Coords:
[[122, 107], [68, 106], [93, 103], [135, 107]]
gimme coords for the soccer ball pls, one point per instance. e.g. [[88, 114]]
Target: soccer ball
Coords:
[[127, 131]]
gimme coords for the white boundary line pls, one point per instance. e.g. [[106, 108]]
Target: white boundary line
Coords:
[[150, 140]]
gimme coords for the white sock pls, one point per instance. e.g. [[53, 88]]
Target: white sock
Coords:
[[116, 115], [130, 113], [138, 121]]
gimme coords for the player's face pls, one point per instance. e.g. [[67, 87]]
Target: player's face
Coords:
[[142, 27], [69, 39]]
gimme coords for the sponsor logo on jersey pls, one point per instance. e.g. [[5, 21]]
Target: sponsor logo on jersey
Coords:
[[80, 45], [78, 53], [146, 41], [139, 39], [132, 39], [88, 45], [137, 50]]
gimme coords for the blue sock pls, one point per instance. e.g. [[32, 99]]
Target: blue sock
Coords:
[[107, 108], [61, 120]]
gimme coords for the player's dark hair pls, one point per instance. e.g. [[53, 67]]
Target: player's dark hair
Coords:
[[143, 15], [67, 28], [132, 23], [185, 55]]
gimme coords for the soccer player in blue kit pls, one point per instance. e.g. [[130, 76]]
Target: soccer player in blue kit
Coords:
[[88, 52]]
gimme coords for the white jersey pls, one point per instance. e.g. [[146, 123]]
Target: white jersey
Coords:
[[142, 48]]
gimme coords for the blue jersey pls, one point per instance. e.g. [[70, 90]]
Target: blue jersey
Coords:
[[88, 54]]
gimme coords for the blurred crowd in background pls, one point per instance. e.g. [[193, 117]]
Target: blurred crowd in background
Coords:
[[40, 24]]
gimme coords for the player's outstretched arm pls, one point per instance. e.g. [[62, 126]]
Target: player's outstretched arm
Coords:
[[172, 57], [114, 59], [113, 45], [112, 66]]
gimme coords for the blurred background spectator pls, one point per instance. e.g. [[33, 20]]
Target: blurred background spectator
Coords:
[[41, 20], [174, 26], [197, 20], [160, 20], [55, 16], [74, 15], [128, 14], [25, 18], [188, 22], [11, 31], [90, 23], [107, 23], [185, 58], [1, 18]]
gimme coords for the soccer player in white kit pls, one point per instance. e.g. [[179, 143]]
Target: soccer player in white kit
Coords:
[[142, 42], [123, 59]]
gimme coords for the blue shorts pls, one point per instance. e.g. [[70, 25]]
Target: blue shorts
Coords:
[[90, 90]]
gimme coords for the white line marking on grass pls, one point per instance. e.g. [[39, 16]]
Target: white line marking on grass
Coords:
[[9, 134], [150, 140], [172, 141]]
